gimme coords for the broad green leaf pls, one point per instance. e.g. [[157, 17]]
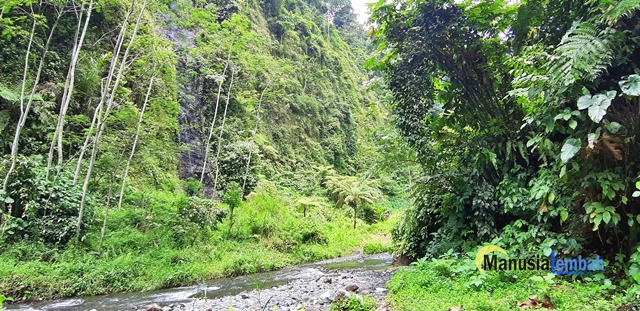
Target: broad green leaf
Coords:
[[591, 138], [597, 105], [8, 200], [631, 85], [564, 215], [613, 127], [597, 112], [585, 102], [596, 222], [634, 271], [8, 95], [573, 124], [606, 217], [569, 149]]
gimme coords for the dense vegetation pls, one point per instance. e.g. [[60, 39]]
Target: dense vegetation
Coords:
[[524, 121], [156, 143], [150, 144]]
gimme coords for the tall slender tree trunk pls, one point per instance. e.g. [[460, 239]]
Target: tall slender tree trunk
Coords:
[[104, 89], [101, 123], [14, 150], [68, 87], [135, 141], [106, 213], [354, 217], [255, 130], [224, 118], [25, 108], [215, 114], [87, 139]]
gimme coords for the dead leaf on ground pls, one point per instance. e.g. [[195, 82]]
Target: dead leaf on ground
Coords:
[[455, 308], [535, 302]]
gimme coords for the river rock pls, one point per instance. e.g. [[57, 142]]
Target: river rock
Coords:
[[244, 296], [154, 307], [400, 260], [341, 294], [352, 287], [381, 290], [326, 297]]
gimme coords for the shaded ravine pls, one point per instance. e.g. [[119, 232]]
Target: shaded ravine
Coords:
[[311, 286]]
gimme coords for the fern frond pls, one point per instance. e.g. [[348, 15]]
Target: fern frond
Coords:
[[584, 53], [622, 9]]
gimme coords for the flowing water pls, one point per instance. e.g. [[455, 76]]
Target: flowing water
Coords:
[[215, 289]]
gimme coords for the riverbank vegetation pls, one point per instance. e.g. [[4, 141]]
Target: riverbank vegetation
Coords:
[[157, 143], [181, 241], [523, 116], [149, 144]]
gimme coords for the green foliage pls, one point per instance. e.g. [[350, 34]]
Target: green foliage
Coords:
[[561, 180], [442, 284], [374, 248], [163, 244], [634, 274], [353, 192], [191, 186], [631, 85], [296, 104], [354, 303], [39, 208]]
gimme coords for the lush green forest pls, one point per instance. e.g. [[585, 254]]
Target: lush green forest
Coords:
[[157, 143], [151, 144]]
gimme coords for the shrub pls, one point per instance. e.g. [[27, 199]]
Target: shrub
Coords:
[[40, 208], [374, 248], [354, 303]]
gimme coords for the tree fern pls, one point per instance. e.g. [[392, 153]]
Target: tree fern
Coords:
[[622, 9], [584, 53]]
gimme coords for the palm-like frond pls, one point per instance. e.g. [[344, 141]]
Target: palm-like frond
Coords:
[[584, 53], [622, 9]]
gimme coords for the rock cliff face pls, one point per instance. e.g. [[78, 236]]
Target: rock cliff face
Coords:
[[192, 151], [307, 111]]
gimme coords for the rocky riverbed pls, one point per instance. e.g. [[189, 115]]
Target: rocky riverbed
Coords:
[[303, 287], [315, 287]]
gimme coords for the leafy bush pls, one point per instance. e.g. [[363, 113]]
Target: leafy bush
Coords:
[[354, 303], [441, 284], [41, 208], [191, 186], [195, 217], [374, 248]]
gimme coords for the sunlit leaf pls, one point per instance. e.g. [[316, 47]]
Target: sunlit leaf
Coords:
[[569, 149]]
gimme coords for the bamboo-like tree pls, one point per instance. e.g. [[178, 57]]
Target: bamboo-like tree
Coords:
[[224, 118], [102, 121], [135, 140], [105, 85], [255, 131], [215, 112], [25, 108], [56, 141]]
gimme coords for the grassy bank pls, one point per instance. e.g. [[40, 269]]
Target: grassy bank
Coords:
[[152, 247], [442, 284]]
